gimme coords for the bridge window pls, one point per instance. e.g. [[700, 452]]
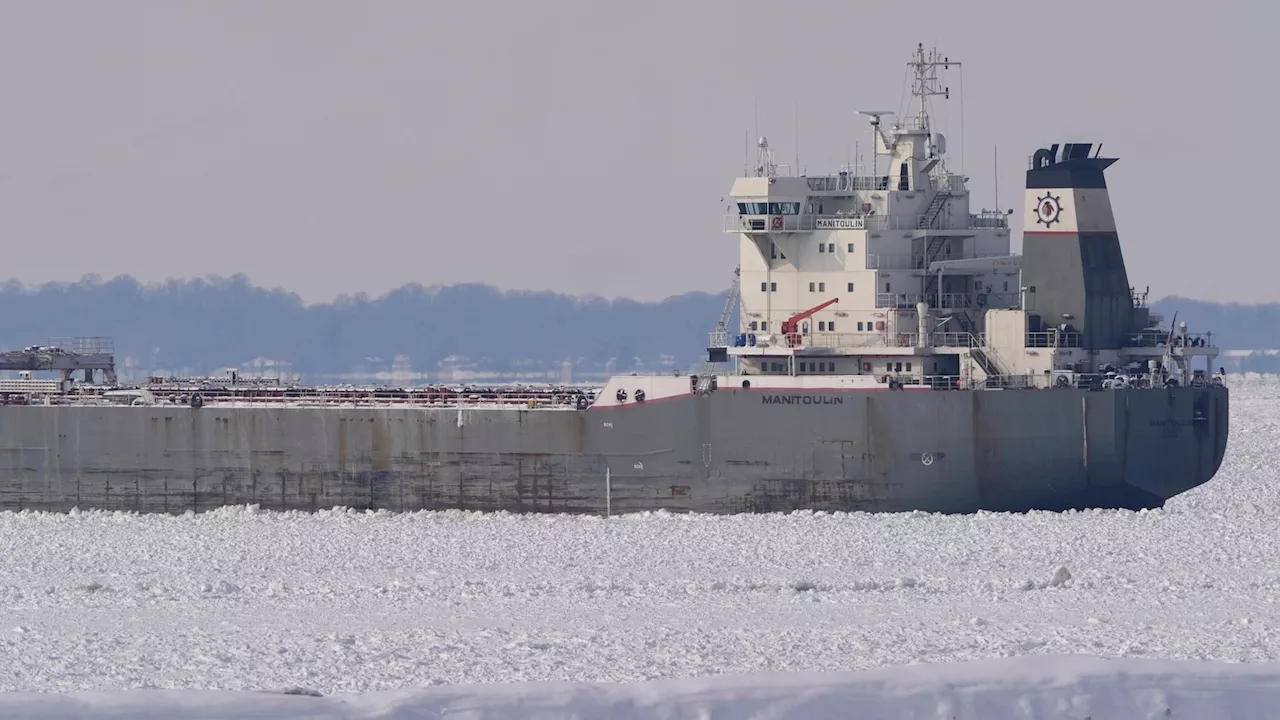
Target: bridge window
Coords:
[[769, 208]]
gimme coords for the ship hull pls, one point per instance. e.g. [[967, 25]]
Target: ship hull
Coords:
[[734, 450]]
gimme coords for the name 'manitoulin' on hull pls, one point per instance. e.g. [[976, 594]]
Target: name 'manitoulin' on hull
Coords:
[[890, 355]]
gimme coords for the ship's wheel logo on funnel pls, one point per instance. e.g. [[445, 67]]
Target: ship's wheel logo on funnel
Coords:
[[1048, 209]]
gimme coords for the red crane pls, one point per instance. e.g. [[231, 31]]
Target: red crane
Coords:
[[789, 325]]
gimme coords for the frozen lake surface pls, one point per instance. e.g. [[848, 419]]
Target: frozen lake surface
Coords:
[[350, 601]]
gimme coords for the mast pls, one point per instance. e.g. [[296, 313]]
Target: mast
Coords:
[[925, 82]]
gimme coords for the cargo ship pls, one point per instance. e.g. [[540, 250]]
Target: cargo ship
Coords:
[[881, 350]]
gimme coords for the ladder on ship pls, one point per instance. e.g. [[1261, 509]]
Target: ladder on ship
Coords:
[[934, 209], [988, 365], [933, 248]]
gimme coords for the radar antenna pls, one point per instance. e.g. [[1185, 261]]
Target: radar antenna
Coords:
[[765, 165], [925, 82]]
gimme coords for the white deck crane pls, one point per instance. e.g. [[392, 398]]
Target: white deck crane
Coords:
[[721, 333]]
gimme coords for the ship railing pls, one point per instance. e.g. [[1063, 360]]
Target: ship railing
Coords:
[[791, 223], [895, 262], [377, 397], [82, 345], [1160, 338], [948, 181], [908, 261], [831, 340], [737, 223], [912, 222], [988, 219], [1034, 381], [1053, 338], [847, 183], [768, 223], [901, 301], [952, 301], [956, 339], [826, 340], [858, 340]]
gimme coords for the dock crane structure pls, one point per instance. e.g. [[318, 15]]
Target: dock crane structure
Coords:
[[714, 354]]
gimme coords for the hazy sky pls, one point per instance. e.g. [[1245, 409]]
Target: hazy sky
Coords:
[[337, 147]]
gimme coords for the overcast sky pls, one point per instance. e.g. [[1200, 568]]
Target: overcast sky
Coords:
[[338, 147]]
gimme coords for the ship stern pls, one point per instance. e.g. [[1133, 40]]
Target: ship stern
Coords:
[[1176, 440]]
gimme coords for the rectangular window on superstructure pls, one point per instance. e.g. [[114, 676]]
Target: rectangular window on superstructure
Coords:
[[773, 251], [831, 326], [859, 327], [850, 287], [831, 247], [821, 247], [764, 326], [764, 287], [811, 286], [1006, 286], [822, 287], [773, 287], [753, 325], [908, 367], [850, 247], [822, 326], [886, 288]]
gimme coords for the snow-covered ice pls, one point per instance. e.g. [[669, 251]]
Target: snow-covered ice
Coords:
[[345, 601], [1057, 688]]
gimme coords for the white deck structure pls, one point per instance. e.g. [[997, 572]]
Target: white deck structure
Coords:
[[893, 274]]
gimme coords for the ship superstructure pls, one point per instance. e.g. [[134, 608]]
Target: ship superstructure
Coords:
[[1011, 382], [893, 275]]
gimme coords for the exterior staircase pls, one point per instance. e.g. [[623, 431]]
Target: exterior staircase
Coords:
[[990, 368], [934, 209], [932, 250]]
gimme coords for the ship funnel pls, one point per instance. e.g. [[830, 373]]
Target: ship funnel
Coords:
[[1070, 249]]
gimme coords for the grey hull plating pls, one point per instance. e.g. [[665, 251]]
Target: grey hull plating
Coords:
[[733, 451]]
